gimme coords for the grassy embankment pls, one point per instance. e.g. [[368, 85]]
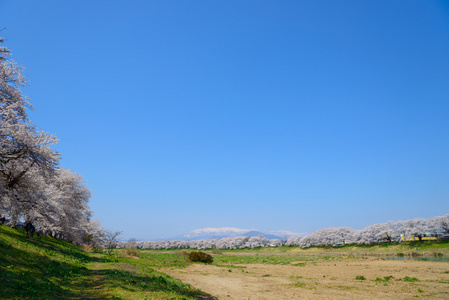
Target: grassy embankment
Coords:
[[46, 268]]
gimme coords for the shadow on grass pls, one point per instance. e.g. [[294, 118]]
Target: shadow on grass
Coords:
[[152, 282], [41, 278], [40, 268], [45, 268]]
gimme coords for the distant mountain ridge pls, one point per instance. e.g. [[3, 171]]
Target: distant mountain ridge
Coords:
[[218, 233]]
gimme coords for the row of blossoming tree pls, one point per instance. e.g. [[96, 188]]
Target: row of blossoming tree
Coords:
[[33, 186], [415, 229]]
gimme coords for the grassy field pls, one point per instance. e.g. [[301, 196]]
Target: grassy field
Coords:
[[45, 268], [349, 272]]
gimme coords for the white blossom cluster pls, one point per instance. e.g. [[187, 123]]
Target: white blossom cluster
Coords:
[[236, 242], [337, 236], [33, 186]]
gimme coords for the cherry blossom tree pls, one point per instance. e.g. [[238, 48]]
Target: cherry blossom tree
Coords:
[[416, 228], [377, 233], [33, 187], [294, 241], [440, 224], [329, 236], [110, 240], [23, 148]]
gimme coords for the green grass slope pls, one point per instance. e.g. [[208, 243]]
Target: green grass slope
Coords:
[[40, 267], [46, 268]]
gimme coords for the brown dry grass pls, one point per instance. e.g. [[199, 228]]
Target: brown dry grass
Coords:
[[321, 279], [87, 248], [130, 252]]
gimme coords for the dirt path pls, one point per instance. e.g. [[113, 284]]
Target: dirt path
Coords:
[[383, 279]]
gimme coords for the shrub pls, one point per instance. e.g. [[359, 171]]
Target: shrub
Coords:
[[360, 278], [87, 248], [200, 256], [384, 280], [130, 252], [410, 279]]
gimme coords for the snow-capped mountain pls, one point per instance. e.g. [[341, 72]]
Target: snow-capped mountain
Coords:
[[218, 233]]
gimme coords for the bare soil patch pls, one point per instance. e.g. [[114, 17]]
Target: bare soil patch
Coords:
[[322, 279]]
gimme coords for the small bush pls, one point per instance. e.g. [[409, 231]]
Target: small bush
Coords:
[[385, 279], [299, 284], [200, 256], [360, 278], [130, 252], [410, 279], [87, 248]]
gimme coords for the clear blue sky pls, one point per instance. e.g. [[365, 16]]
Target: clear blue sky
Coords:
[[293, 115]]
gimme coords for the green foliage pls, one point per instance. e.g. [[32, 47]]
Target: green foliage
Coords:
[[298, 284], [199, 256], [410, 279], [262, 259], [383, 280], [360, 277]]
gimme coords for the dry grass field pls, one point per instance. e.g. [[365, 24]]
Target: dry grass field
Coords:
[[351, 272], [343, 278]]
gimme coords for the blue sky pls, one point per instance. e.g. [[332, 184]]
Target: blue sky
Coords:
[[293, 115]]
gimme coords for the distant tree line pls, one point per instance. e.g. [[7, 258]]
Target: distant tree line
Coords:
[[392, 231], [33, 186]]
